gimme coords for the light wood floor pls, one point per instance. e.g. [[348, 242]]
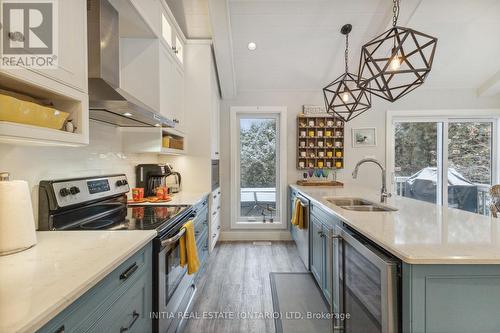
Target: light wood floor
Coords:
[[237, 280]]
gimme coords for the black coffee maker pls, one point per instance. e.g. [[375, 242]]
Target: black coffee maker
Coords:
[[152, 176]]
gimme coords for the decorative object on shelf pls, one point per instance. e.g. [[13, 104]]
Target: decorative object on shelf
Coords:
[[313, 110], [364, 137], [397, 61], [343, 97], [69, 126], [338, 154], [311, 134], [319, 151], [303, 134]]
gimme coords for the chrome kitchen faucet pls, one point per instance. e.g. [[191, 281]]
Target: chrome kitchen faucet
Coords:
[[383, 192]]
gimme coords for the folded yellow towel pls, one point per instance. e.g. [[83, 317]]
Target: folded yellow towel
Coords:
[[187, 248], [298, 215]]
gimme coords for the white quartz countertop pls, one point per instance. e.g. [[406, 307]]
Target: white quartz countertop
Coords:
[[419, 232], [181, 198], [37, 284]]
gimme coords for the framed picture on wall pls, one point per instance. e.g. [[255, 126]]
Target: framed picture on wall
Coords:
[[364, 137]]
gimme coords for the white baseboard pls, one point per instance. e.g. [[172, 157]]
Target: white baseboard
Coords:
[[251, 235]]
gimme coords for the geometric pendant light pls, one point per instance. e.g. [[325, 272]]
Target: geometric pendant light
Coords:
[[396, 62], [343, 97]]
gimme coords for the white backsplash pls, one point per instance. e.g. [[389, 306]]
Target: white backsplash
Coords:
[[104, 155]]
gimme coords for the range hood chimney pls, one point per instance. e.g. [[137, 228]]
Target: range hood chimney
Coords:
[[107, 102]]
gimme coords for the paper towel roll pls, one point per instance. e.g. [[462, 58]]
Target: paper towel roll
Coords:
[[17, 224]]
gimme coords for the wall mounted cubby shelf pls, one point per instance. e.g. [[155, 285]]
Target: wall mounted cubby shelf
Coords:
[[320, 142]]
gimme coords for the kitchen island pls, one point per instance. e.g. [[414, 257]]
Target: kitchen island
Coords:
[[449, 258], [36, 285]]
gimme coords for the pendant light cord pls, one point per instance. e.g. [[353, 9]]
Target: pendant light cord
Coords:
[[395, 12], [346, 53]]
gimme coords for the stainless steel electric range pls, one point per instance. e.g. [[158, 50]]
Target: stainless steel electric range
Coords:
[[100, 203]]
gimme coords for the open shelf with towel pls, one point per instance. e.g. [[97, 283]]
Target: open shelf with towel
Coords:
[[35, 115]]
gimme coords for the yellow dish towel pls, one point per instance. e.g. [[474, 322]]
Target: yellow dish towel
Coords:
[[298, 215], [187, 248]]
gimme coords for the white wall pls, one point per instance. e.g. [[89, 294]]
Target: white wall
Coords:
[[293, 100], [102, 156]]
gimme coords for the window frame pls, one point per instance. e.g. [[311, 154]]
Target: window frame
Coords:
[[255, 112], [445, 117]]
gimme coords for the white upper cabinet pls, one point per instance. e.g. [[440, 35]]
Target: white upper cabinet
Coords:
[[215, 116], [179, 49], [149, 10], [166, 30], [72, 58], [65, 87], [179, 98]]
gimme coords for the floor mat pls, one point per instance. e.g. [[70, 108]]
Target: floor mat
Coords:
[[298, 304]]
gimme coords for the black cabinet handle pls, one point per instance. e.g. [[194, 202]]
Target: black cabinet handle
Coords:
[[215, 196], [129, 271], [135, 316], [60, 329], [214, 213], [218, 227]]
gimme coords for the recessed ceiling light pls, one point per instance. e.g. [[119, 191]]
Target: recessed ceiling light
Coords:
[[252, 46], [157, 125], [127, 114]]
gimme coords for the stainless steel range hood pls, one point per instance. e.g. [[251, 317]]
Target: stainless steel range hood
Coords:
[[107, 102]]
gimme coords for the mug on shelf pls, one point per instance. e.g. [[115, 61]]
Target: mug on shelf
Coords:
[[321, 154], [329, 153], [311, 123], [302, 154], [329, 123], [302, 144], [328, 133], [302, 164], [338, 154], [328, 164], [338, 164], [320, 143], [311, 133], [320, 134], [302, 133], [320, 164]]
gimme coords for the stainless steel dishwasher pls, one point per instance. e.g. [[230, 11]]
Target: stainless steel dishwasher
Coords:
[[365, 285], [301, 236]]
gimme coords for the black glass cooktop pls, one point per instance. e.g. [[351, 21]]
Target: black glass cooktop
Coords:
[[152, 216], [116, 216]]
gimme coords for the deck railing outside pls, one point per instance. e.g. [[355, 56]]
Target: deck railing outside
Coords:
[[483, 197]]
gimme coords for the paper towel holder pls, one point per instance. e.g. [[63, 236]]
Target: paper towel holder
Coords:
[[4, 176]]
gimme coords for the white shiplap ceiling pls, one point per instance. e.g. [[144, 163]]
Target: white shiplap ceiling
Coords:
[[299, 46]]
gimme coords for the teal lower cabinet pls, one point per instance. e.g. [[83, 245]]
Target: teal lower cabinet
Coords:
[[321, 248], [121, 302], [451, 298]]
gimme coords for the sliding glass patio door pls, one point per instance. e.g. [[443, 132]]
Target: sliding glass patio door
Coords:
[[446, 161]]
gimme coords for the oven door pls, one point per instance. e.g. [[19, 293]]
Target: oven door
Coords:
[[175, 287], [365, 285]]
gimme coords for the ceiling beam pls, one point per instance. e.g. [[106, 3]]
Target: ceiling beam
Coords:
[[223, 46], [491, 87]]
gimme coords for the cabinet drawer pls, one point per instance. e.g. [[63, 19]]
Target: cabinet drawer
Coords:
[[130, 312], [89, 308]]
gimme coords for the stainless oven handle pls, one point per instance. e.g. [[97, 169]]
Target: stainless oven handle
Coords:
[[173, 239], [336, 241]]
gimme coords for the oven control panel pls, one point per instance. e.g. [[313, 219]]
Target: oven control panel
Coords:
[[76, 191]]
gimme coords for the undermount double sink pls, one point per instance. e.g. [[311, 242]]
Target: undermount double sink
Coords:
[[359, 205]]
